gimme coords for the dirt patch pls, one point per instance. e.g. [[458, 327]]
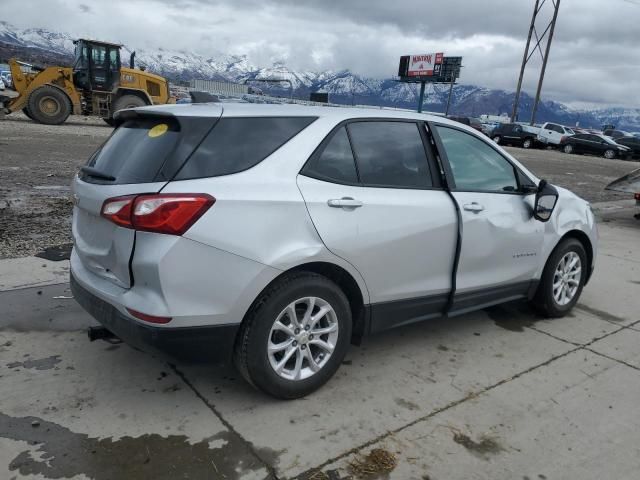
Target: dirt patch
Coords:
[[484, 447], [407, 404], [57, 253], [38, 364], [378, 461]]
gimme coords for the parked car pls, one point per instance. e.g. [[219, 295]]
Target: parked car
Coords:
[[5, 76], [594, 144], [513, 134], [551, 134], [632, 143], [282, 233], [2, 86], [472, 122], [616, 134]]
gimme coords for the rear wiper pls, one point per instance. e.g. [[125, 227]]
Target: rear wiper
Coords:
[[94, 172]]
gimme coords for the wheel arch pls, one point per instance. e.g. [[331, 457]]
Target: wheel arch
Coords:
[[347, 283], [584, 239]]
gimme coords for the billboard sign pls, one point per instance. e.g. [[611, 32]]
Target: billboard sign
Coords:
[[424, 65]]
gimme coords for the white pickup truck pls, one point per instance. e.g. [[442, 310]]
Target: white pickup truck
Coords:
[[552, 133]]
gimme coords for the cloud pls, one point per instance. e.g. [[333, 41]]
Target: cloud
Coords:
[[594, 59]]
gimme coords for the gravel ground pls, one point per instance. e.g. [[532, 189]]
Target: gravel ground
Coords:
[[37, 163]]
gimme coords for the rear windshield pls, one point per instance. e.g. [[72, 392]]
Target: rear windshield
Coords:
[[237, 144], [137, 150]]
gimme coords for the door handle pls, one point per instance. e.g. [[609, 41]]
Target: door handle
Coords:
[[473, 207], [344, 202]]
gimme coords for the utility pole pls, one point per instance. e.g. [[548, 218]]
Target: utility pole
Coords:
[[528, 53], [453, 80], [422, 85]]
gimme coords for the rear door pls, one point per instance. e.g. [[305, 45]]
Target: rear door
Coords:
[[139, 157], [386, 215], [501, 241]]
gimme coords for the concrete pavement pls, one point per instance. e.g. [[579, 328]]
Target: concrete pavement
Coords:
[[495, 394]]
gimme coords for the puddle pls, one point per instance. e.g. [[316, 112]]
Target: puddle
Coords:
[[60, 453], [56, 253], [39, 364], [514, 318]]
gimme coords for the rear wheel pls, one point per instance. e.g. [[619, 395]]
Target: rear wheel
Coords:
[[295, 336], [609, 154], [562, 279], [528, 143], [568, 148], [49, 105]]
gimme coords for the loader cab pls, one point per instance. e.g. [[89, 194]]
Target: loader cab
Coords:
[[96, 65]]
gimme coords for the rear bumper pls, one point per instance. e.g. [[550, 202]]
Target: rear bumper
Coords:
[[201, 343]]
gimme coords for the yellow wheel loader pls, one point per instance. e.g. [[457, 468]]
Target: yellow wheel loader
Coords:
[[96, 84]]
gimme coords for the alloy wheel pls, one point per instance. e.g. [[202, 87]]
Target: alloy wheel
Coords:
[[302, 338], [566, 278]]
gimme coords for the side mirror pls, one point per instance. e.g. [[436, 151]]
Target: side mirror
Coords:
[[546, 199]]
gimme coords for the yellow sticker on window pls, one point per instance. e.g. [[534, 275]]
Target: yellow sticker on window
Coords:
[[158, 130]]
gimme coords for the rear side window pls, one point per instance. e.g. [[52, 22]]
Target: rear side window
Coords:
[[237, 144], [335, 163], [137, 150], [390, 154]]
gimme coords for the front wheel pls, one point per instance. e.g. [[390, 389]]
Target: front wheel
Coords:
[[609, 154], [295, 336], [528, 143], [562, 279], [568, 148], [49, 105], [497, 139]]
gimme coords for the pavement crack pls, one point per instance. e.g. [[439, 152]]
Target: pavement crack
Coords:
[[312, 471], [613, 359], [247, 444]]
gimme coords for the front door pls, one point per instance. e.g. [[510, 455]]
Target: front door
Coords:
[[381, 211], [501, 241]]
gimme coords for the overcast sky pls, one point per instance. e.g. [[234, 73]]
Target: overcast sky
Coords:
[[595, 58]]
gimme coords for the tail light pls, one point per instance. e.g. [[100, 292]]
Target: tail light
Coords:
[[637, 197], [563, 139], [169, 213], [148, 318]]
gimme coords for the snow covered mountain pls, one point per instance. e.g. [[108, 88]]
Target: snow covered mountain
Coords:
[[44, 46]]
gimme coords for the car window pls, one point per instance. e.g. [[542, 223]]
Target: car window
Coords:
[[475, 164], [581, 136], [517, 129], [390, 154], [568, 131], [237, 144], [335, 163]]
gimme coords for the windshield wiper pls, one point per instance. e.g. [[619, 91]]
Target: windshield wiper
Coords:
[[94, 172]]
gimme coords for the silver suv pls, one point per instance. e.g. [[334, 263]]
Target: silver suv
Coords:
[[280, 234]]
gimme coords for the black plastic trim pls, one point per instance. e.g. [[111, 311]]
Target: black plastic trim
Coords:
[[206, 343], [396, 313], [478, 299]]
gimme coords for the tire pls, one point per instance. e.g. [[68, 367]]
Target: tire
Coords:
[[609, 154], [497, 139], [49, 105], [568, 148], [26, 111], [127, 101], [251, 355], [546, 301], [528, 143]]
